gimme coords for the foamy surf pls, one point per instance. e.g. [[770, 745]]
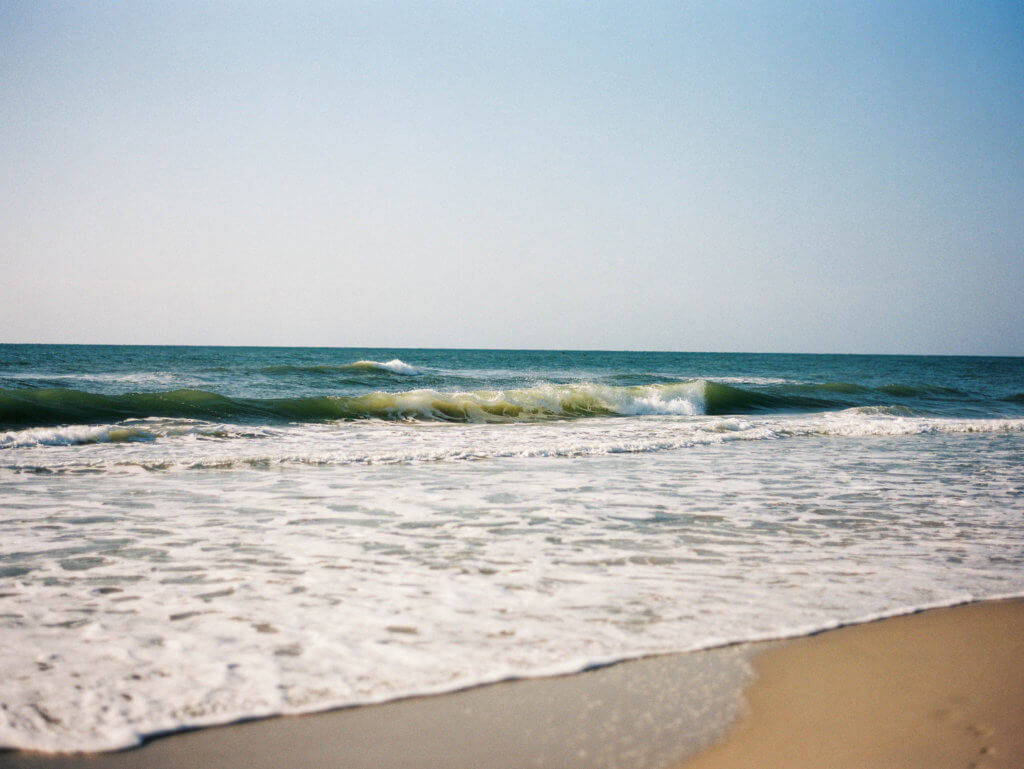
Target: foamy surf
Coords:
[[72, 435], [144, 430], [207, 600], [175, 445], [199, 535]]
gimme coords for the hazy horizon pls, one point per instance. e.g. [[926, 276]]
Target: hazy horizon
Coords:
[[511, 349], [672, 177]]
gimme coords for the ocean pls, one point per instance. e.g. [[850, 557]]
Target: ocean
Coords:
[[198, 535]]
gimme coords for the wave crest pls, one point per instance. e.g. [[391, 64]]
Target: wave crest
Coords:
[[394, 366]]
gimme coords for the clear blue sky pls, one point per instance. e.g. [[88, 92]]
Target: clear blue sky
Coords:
[[819, 177]]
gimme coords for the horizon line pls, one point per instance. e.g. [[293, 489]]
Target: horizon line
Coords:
[[514, 349]]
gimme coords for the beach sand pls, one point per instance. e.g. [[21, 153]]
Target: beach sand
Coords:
[[942, 689], [937, 689]]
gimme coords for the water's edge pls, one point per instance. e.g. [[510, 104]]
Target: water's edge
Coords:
[[712, 724]]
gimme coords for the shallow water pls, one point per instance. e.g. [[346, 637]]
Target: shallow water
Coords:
[[224, 556]]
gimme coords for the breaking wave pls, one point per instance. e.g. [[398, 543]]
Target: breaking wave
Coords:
[[58, 406], [395, 366], [62, 406], [141, 431]]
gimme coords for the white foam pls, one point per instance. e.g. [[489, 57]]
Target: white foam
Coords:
[[213, 594], [72, 435], [186, 444], [395, 366], [146, 430], [687, 399]]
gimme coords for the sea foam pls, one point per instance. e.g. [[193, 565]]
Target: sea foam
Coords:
[[274, 531], [206, 599]]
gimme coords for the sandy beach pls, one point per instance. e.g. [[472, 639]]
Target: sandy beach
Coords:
[[941, 688]]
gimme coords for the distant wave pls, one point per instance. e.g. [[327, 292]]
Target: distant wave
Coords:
[[49, 407], [395, 366]]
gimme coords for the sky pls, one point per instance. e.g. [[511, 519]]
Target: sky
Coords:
[[770, 177]]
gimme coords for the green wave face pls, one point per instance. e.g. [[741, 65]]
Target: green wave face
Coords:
[[48, 407], [19, 408]]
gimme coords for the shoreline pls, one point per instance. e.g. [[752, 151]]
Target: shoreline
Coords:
[[937, 687]]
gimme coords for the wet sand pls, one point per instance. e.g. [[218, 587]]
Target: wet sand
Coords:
[[942, 688]]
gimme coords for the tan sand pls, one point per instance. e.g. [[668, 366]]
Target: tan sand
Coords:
[[942, 689]]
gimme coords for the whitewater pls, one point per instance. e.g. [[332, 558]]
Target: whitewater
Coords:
[[193, 536]]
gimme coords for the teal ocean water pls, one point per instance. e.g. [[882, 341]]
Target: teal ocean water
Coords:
[[54, 385], [195, 535]]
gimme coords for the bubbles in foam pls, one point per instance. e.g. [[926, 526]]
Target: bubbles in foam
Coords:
[[230, 591], [184, 444]]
